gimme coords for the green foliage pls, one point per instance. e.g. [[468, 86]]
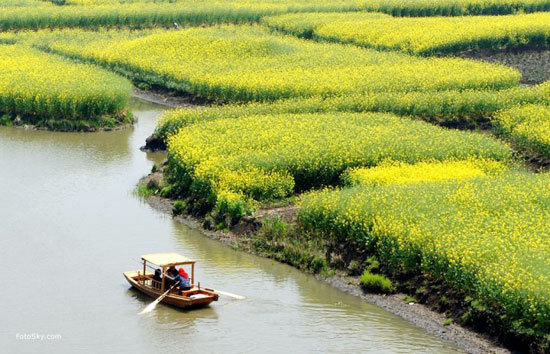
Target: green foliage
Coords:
[[274, 229], [233, 206], [179, 207], [376, 283]]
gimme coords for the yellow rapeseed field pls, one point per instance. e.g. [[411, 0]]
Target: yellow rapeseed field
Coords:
[[39, 84], [245, 63], [268, 157], [487, 237], [396, 172], [420, 35], [443, 107], [455, 7], [20, 14], [527, 126]]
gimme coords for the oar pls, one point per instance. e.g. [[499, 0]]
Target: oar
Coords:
[[225, 293], [152, 305]]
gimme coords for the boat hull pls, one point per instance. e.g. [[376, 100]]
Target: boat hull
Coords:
[[191, 298]]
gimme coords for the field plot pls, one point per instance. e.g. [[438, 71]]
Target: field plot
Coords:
[[423, 36], [528, 127], [54, 92], [261, 158], [392, 172], [448, 108], [456, 7], [93, 13], [247, 63], [488, 237]]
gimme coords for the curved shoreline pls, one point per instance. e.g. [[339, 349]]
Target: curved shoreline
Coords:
[[417, 314]]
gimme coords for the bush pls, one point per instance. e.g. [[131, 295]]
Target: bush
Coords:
[[179, 207], [376, 283]]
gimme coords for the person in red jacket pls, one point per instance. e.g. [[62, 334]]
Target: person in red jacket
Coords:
[[183, 279]]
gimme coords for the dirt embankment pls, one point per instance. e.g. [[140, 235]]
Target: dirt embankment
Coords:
[[533, 64], [167, 98], [399, 304]]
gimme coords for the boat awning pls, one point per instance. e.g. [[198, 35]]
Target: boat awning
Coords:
[[166, 259]]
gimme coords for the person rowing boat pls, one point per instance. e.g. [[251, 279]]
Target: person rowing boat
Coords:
[[189, 294]]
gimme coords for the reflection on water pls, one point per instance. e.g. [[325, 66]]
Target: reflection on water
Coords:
[[71, 225]]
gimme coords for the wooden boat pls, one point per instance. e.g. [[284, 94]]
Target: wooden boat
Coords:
[[144, 282]]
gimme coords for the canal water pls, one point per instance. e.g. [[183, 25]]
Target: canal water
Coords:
[[71, 224]]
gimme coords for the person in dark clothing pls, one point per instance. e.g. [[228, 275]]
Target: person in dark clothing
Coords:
[[158, 279], [170, 277], [172, 272]]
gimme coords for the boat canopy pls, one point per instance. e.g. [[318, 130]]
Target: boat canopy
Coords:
[[167, 259]]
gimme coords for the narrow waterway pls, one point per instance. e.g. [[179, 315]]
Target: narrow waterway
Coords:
[[70, 225]]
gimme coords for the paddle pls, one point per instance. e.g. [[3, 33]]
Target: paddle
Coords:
[[225, 293], [152, 305]]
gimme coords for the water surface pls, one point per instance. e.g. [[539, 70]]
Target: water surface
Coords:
[[70, 225]]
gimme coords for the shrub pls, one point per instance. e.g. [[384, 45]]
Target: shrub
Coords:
[[376, 283]]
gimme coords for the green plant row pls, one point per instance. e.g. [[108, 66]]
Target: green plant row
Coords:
[[456, 7], [450, 108], [42, 14], [528, 127], [488, 237], [420, 35], [43, 85]]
